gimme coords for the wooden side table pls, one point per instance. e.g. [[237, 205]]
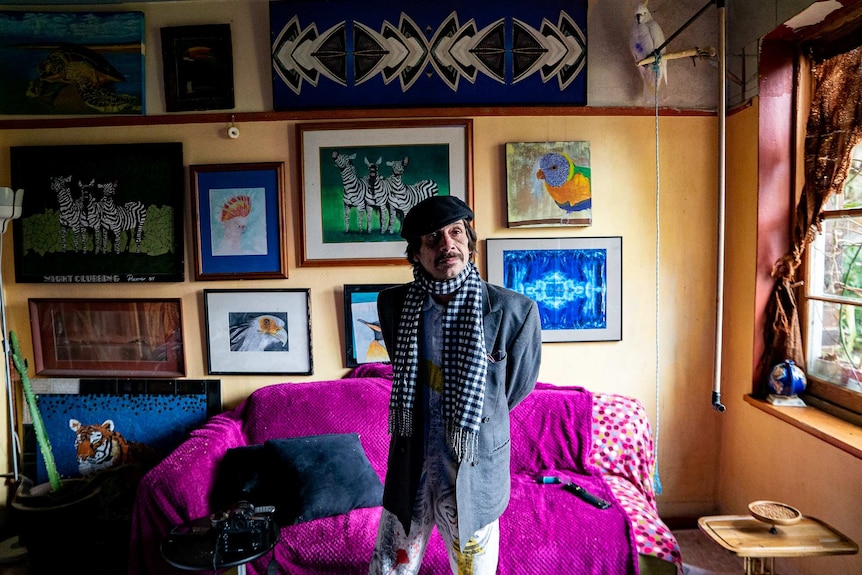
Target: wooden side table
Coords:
[[759, 544]]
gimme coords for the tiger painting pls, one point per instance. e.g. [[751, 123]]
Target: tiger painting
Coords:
[[101, 447]]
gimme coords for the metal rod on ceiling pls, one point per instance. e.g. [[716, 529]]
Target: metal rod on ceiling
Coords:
[[721, 113]]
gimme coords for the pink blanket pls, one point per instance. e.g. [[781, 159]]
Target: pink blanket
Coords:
[[544, 530]]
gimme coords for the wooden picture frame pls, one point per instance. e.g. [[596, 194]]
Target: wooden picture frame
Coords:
[[238, 212], [576, 282], [362, 336], [261, 331], [433, 157], [198, 67], [108, 337], [64, 236]]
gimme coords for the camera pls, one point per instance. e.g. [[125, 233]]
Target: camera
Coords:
[[244, 529]]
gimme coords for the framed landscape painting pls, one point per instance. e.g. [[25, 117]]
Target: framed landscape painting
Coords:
[[99, 213], [359, 179], [576, 282], [72, 62]]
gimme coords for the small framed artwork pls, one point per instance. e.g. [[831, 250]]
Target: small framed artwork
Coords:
[[238, 221], [359, 179], [198, 67], [99, 213], [576, 283], [548, 184], [258, 331], [364, 340], [108, 337]]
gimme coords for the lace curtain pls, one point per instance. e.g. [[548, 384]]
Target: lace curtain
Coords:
[[834, 127]]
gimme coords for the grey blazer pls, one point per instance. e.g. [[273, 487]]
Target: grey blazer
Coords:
[[513, 338]]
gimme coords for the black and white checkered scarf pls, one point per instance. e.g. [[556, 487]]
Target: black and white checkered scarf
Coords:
[[465, 363]]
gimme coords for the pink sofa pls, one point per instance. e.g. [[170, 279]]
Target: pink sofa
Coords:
[[600, 441]]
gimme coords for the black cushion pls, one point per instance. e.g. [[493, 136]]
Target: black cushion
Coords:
[[321, 476], [241, 476]]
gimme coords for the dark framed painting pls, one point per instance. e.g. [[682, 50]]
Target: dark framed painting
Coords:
[[198, 67], [362, 335], [108, 337], [348, 221], [549, 184], [238, 223], [261, 331], [154, 416], [345, 54], [99, 213], [63, 63], [576, 283]]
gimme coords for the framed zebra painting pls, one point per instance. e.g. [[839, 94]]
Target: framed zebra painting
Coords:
[[238, 221], [99, 213], [359, 179]]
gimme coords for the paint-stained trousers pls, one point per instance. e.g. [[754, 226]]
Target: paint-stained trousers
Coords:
[[396, 553]]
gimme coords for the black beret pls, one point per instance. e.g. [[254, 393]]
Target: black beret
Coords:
[[433, 213]]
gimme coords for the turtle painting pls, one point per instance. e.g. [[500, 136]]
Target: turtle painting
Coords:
[[76, 76]]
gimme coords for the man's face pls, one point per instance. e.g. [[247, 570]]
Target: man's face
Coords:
[[444, 253]]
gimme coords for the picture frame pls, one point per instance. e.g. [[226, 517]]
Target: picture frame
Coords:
[[548, 184], [362, 336], [416, 158], [198, 67], [377, 54], [108, 337], [251, 194], [576, 283], [54, 243], [35, 47], [158, 413], [235, 324]]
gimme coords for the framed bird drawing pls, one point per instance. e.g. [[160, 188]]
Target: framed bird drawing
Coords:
[[258, 331], [363, 336], [549, 184]]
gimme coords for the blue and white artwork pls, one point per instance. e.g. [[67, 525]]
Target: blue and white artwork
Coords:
[[575, 282], [345, 54]]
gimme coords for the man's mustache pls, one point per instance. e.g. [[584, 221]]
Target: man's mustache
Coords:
[[442, 257]]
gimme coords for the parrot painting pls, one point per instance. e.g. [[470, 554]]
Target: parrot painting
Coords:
[[567, 185], [258, 334], [646, 36]]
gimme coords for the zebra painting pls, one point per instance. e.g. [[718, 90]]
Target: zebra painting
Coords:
[[118, 219], [402, 197], [377, 198], [354, 190], [70, 211], [91, 218]]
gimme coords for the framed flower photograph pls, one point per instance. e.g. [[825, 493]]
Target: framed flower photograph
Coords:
[[576, 282], [363, 337], [262, 331], [238, 212], [359, 179]]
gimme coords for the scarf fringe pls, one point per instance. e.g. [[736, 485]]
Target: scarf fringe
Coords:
[[401, 422], [464, 443]]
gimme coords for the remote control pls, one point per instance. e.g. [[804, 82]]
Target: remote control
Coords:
[[586, 496]]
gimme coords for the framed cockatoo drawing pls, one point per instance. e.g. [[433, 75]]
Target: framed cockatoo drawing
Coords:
[[549, 184], [238, 214]]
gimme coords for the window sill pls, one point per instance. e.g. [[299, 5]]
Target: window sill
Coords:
[[832, 430]]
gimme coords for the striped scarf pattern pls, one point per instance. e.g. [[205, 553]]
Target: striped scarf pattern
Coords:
[[465, 363]]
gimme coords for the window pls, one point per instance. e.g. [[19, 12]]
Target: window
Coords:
[[834, 299]]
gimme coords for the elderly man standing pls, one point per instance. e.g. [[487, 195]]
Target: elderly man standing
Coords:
[[465, 353]]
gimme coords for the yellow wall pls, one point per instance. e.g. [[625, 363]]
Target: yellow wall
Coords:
[[623, 164], [762, 457]]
